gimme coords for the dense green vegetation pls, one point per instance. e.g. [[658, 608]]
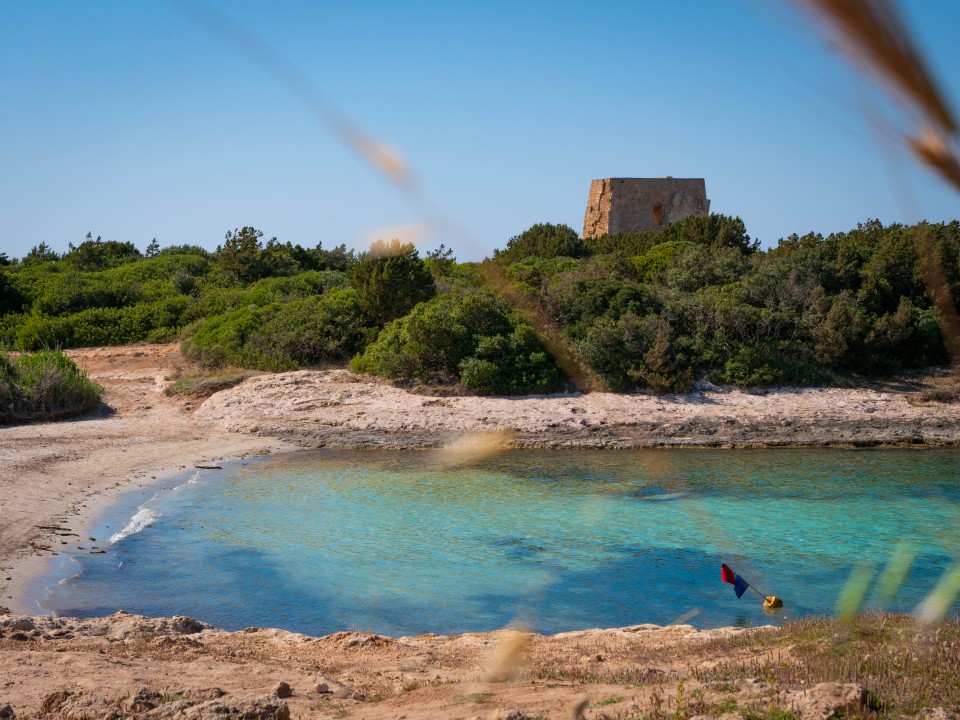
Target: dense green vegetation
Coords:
[[698, 298], [654, 310], [44, 385]]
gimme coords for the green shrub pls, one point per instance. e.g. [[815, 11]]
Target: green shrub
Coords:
[[390, 279], [543, 241], [99, 255], [183, 282], [10, 298], [470, 338], [321, 329], [42, 385], [653, 263], [637, 352], [717, 231], [278, 336], [579, 299]]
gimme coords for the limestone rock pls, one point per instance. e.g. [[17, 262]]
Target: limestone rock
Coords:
[[828, 700], [332, 688], [186, 625], [144, 699], [265, 708], [66, 703]]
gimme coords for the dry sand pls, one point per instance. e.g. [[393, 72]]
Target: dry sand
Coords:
[[54, 476]]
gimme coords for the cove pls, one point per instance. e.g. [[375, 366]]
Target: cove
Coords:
[[395, 543]]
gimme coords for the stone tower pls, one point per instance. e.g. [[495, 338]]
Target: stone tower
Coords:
[[619, 205]]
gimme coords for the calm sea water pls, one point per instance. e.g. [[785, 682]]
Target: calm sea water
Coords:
[[390, 542]]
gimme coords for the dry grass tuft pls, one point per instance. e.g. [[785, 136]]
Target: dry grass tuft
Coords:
[[907, 666]]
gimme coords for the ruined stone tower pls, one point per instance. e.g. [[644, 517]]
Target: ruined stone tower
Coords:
[[619, 205]]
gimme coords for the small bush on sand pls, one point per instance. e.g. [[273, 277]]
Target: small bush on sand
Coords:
[[44, 385]]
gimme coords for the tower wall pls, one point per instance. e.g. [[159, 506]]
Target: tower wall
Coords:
[[617, 205]]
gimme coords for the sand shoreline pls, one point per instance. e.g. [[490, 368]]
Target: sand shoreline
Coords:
[[37, 570], [334, 408], [57, 476]]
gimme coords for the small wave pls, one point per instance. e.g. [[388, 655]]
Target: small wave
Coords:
[[192, 480], [67, 578], [142, 520]]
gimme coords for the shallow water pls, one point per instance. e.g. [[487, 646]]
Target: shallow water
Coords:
[[391, 542]]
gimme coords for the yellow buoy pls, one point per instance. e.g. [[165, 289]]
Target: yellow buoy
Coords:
[[772, 601]]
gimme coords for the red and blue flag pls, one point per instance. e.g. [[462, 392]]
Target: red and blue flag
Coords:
[[729, 576]]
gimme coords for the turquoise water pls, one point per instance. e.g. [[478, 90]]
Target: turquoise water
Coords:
[[391, 542]]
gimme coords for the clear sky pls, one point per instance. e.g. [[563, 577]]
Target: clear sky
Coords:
[[130, 120]]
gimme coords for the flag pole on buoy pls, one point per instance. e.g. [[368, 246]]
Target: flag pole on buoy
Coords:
[[740, 587]]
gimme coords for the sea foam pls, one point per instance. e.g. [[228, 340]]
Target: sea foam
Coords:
[[144, 518]]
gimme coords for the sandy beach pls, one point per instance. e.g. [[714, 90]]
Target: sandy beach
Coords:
[[56, 476]]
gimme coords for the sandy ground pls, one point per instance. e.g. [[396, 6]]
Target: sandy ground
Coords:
[[55, 476]]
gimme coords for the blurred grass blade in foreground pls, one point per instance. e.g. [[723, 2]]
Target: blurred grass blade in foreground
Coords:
[[854, 592], [874, 35], [936, 605], [894, 575]]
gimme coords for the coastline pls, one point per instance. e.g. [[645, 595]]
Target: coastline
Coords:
[[60, 475], [113, 511]]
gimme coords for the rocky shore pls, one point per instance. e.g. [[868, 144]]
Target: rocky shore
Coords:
[[128, 666], [335, 408]]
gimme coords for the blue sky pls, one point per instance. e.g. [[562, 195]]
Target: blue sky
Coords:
[[129, 120]]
